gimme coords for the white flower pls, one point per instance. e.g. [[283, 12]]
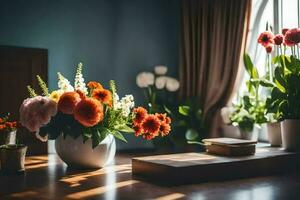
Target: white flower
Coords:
[[63, 83], [226, 113], [160, 82], [79, 80], [172, 84], [160, 70], [125, 104], [144, 79]]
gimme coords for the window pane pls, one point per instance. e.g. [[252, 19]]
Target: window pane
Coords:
[[289, 14]]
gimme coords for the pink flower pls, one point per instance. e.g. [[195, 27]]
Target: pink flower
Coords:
[[266, 38], [278, 39], [292, 37], [36, 112], [269, 48]]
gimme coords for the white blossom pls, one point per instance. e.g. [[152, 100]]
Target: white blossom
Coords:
[[226, 113], [172, 84], [160, 82], [125, 104], [144, 79], [79, 80], [160, 70], [64, 84]]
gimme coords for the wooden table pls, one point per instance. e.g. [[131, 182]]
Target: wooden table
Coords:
[[47, 177]]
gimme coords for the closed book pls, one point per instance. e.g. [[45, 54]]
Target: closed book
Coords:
[[230, 146]]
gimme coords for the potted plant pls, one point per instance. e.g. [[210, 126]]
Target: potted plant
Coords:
[[84, 120], [12, 156], [285, 89]]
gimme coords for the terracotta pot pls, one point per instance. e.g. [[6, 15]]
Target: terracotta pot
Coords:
[[12, 158], [274, 133], [290, 133], [249, 135], [77, 154]]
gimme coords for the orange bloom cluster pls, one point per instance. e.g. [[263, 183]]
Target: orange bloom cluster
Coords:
[[7, 126], [150, 125], [87, 109]]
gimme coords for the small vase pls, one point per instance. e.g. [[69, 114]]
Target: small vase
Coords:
[[77, 154], [274, 133], [12, 158], [290, 133], [249, 135], [8, 138]]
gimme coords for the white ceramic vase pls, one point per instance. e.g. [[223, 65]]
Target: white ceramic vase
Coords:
[[290, 131], [274, 133], [77, 154]]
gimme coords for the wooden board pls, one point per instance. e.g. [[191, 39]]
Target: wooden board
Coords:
[[228, 141], [184, 168]]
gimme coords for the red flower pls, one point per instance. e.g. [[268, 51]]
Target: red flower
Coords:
[[88, 112], [284, 30], [1, 120], [278, 39], [265, 38], [140, 115], [68, 101], [269, 48], [292, 37], [151, 126], [164, 129]]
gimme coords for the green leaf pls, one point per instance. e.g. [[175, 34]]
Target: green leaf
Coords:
[[124, 128], [184, 110], [191, 134], [252, 71], [279, 78], [266, 83], [119, 136]]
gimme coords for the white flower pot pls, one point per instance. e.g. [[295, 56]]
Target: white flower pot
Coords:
[[249, 135], [274, 133], [290, 131], [77, 154]]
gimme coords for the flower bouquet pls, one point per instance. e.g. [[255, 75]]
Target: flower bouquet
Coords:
[[87, 113]]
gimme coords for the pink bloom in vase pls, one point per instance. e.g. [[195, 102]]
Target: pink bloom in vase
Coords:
[[36, 112], [292, 37], [269, 48], [266, 38], [278, 39]]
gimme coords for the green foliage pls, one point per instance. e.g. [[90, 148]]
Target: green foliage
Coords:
[[285, 93], [43, 86], [31, 91], [191, 119]]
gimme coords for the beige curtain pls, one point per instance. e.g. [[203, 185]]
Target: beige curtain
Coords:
[[213, 38]]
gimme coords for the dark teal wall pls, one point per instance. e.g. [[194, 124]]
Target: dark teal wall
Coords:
[[115, 39]]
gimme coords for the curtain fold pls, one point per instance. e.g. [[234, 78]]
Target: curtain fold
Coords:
[[214, 33]]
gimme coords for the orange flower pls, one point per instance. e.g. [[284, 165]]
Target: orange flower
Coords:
[[89, 112], [151, 126], [94, 85], [164, 129], [102, 95], [1, 120], [140, 114], [68, 102], [138, 130], [168, 120], [161, 117], [2, 127]]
